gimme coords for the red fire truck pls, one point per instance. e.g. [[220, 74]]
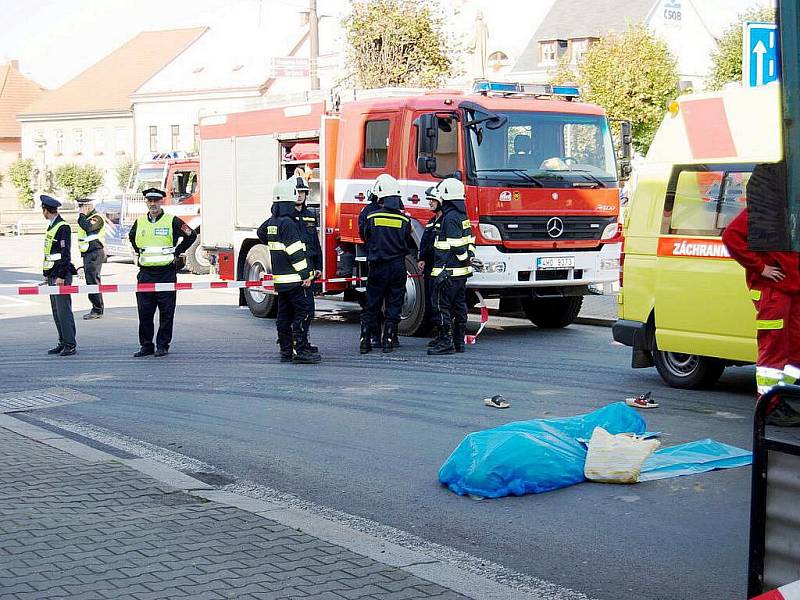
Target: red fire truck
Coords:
[[177, 174], [539, 168]]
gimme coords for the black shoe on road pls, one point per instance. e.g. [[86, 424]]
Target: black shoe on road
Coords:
[[144, 352], [68, 351], [92, 315], [56, 350], [161, 352]]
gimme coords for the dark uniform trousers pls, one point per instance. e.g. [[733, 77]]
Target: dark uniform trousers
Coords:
[[386, 287], [295, 311], [449, 301], [147, 302], [62, 313], [92, 264]]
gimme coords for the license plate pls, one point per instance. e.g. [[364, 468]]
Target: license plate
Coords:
[[555, 262]]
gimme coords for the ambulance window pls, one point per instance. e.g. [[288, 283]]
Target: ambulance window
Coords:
[[695, 208], [733, 198], [376, 143]]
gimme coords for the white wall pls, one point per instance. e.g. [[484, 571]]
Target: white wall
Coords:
[[105, 142]]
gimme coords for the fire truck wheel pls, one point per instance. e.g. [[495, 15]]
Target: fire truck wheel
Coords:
[[257, 263], [552, 313], [196, 259], [412, 317], [687, 371]]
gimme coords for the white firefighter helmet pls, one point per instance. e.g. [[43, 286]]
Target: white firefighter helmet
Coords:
[[284, 191], [450, 189], [385, 185], [432, 193]]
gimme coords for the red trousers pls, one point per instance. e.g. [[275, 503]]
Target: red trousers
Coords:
[[778, 329]]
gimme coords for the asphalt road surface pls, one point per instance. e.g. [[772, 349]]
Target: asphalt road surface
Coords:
[[362, 437]]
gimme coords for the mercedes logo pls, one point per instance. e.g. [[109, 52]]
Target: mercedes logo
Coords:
[[555, 227]]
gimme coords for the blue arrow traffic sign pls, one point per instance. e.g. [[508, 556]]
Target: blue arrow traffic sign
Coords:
[[760, 58]]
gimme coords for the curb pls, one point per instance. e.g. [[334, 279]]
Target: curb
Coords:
[[382, 551]]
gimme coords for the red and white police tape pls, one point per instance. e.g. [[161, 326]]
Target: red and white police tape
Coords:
[[790, 591], [265, 284]]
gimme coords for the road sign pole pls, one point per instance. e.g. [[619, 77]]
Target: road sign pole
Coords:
[[788, 16]]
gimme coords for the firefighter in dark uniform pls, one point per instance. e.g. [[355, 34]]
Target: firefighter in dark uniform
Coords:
[[91, 243], [425, 255], [454, 249], [58, 269], [291, 275], [387, 234], [308, 219], [374, 204], [154, 238]]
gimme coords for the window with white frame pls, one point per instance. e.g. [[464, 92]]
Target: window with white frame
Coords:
[[77, 141], [99, 140], [579, 48], [547, 52], [153, 138], [59, 142], [175, 133], [120, 140]]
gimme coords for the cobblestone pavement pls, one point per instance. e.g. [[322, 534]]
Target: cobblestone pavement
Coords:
[[71, 528]]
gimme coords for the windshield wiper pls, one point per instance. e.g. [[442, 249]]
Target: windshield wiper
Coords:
[[589, 176], [521, 172]]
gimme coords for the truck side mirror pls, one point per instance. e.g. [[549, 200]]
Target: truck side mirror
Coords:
[[627, 139], [625, 169], [427, 134], [426, 164]]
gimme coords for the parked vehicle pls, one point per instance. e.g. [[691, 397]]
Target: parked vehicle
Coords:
[[176, 174], [539, 168], [683, 303]]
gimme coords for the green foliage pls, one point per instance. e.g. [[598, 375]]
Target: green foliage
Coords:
[[124, 169], [632, 75], [20, 174], [78, 181], [564, 72], [396, 43], [727, 59]]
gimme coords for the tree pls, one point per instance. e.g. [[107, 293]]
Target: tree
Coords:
[[20, 174], [726, 61], [78, 181], [124, 169], [632, 75], [396, 43]]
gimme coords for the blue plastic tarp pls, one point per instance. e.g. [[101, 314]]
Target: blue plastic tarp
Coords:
[[693, 457], [530, 457]]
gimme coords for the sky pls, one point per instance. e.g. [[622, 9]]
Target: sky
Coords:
[[54, 40]]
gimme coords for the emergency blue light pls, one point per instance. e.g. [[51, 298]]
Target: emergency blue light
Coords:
[[526, 89], [566, 90], [495, 86]]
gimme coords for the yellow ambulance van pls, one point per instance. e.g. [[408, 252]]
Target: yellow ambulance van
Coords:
[[683, 303]]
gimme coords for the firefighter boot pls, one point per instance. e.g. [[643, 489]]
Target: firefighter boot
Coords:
[[285, 341], [434, 336], [459, 330], [389, 335], [444, 345], [366, 341], [302, 354]]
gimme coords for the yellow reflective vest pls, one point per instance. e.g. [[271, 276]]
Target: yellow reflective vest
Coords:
[[51, 257], [155, 242], [84, 237]]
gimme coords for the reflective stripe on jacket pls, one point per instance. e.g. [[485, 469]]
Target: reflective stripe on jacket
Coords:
[[51, 257], [155, 241]]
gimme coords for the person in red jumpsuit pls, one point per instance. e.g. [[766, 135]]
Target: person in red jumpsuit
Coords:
[[774, 282]]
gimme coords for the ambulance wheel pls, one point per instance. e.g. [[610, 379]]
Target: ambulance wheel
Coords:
[[552, 313], [412, 316], [260, 303], [687, 371], [196, 259]]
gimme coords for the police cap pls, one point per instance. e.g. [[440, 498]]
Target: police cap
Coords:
[[153, 194], [49, 202], [82, 201]]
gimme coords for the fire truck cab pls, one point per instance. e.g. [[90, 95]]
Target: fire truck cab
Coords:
[[539, 169]]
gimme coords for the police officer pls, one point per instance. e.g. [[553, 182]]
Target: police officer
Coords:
[[453, 249], [387, 234], [291, 275], [58, 269], [154, 238], [425, 255], [91, 243]]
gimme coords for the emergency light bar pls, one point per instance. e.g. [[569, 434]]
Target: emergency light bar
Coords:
[[526, 89]]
